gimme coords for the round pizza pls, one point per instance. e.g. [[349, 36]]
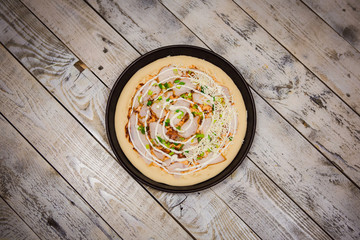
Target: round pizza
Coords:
[[180, 120]]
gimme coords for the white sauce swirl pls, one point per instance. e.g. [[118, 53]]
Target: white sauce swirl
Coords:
[[195, 120]]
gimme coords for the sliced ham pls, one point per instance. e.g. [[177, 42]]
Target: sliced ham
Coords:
[[159, 155], [156, 108], [145, 93], [167, 74], [182, 103], [206, 124], [143, 110], [217, 159], [180, 89], [139, 140], [189, 127], [176, 165], [200, 99]]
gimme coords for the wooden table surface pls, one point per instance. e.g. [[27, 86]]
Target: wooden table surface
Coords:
[[59, 178]]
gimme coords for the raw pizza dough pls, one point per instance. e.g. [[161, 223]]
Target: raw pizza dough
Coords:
[[179, 106]]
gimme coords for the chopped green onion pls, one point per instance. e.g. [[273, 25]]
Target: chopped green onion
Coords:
[[147, 146], [201, 154], [167, 122], [160, 98], [177, 80], [196, 106], [139, 99], [181, 83], [176, 144], [166, 85], [220, 115], [161, 86], [149, 103], [182, 145], [171, 153], [177, 110], [178, 87], [155, 84], [199, 135], [182, 139], [141, 129], [187, 151], [209, 150], [209, 137], [213, 107], [175, 71], [230, 138], [161, 140], [178, 127], [150, 92], [168, 99], [189, 72]]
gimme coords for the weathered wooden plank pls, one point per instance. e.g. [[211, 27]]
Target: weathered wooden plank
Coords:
[[82, 30], [342, 15], [279, 78], [11, 225], [219, 216], [19, 26], [313, 42], [145, 24], [55, 66], [79, 158], [41, 197], [255, 198]]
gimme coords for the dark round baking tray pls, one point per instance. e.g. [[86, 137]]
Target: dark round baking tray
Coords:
[[175, 50]]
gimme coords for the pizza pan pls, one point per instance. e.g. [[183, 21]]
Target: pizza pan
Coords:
[[176, 50]]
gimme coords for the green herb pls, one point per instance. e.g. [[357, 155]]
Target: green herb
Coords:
[[141, 129], [175, 71], [149, 103], [161, 86], [196, 106], [177, 110], [230, 138], [147, 146], [178, 87], [176, 144], [178, 127], [177, 80], [160, 98], [199, 135], [171, 153], [183, 95], [187, 151], [167, 122], [209, 150], [181, 115], [161, 140], [150, 92], [166, 85], [181, 83], [168, 99]]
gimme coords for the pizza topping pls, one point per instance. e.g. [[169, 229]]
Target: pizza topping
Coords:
[[181, 120]]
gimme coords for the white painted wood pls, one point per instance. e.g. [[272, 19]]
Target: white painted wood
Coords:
[[55, 66], [145, 24], [11, 225], [253, 197], [342, 15], [82, 30], [41, 197], [313, 42], [79, 158], [279, 78]]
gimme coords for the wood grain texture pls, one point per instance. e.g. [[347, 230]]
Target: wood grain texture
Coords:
[[342, 15], [52, 63], [145, 24], [11, 225], [79, 158], [16, 40], [41, 197], [305, 175], [313, 42], [253, 197], [82, 30], [279, 78]]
